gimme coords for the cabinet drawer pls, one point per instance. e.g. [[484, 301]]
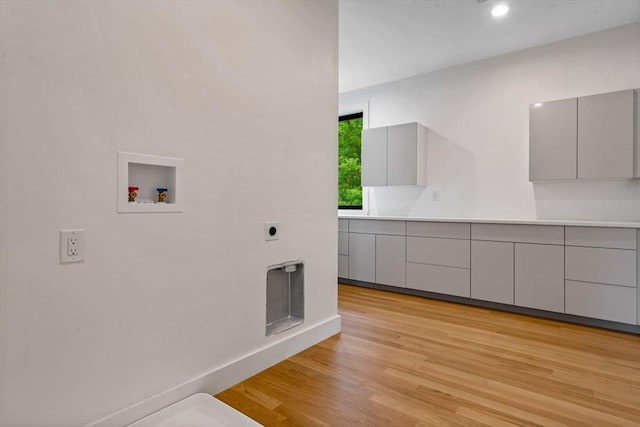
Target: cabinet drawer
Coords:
[[610, 266], [545, 234], [615, 303], [343, 224], [601, 237], [375, 226], [448, 230], [343, 243], [446, 252], [435, 278], [343, 266]]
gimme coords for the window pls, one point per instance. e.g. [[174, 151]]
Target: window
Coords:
[[349, 185]]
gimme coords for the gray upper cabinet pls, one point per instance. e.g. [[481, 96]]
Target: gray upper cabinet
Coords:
[[591, 137], [394, 155], [606, 135], [374, 157], [553, 140]]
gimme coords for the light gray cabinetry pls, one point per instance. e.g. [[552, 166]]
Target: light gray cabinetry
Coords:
[[374, 157], [601, 237], [343, 266], [610, 266], [435, 278], [615, 303], [362, 257], [445, 252], [394, 155], [539, 276], [374, 226], [447, 230], [606, 135], [390, 260], [492, 271], [343, 243], [522, 233], [553, 140]]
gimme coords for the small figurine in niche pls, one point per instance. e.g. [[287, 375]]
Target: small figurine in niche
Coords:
[[162, 194], [133, 194]]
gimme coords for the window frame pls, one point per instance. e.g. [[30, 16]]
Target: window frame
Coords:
[[342, 118]]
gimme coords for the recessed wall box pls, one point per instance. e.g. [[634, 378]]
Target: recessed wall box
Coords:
[[285, 296], [147, 173]]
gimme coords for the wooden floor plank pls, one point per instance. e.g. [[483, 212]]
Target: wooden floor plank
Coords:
[[408, 361]]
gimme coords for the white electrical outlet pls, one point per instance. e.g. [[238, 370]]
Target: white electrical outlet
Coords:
[[71, 246], [271, 230], [435, 196]]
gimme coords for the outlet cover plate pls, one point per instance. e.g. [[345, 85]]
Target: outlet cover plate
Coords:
[[271, 230], [71, 245]]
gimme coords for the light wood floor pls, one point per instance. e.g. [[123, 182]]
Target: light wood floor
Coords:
[[405, 361]]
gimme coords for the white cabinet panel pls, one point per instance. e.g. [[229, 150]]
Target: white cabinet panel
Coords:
[[434, 278], [402, 152], [376, 226], [447, 230], [447, 252], [539, 276], [611, 266], [553, 140], [522, 233], [492, 271], [615, 303], [343, 266], [606, 135], [374, 157], [362, 257], [390, 260], [601, 237], [343, 243]]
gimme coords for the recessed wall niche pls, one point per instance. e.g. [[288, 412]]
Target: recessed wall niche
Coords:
[[141, 176]]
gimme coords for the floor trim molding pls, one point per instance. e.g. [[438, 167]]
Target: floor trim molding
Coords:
[[227, 375]]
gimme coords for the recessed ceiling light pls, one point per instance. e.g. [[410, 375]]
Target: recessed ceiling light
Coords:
[[500, 10], [537, 104]]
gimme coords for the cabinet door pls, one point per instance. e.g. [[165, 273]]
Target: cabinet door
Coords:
[[401, 154], [343, 266], [605, 135], [362, 257], [374, 157], [539, 276], [391, 262], [615, 303], [492, 271], [553, 140], [343, 243]]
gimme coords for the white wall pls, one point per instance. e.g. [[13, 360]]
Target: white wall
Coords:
[[246, 93], [478, 139]]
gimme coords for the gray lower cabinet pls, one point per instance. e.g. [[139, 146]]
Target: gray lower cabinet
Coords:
[[539, 276], [615, 303], [598, 265], [343, 266], [362, 257], [391, 262], [445, 252], [343, 243], [436, 278], [492, 271]]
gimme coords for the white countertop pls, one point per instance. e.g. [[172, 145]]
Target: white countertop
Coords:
[[532, 221]]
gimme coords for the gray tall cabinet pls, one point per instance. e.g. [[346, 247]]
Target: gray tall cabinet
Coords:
[[590, 137]]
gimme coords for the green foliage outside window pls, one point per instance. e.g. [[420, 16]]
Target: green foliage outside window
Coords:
[[349, 185]]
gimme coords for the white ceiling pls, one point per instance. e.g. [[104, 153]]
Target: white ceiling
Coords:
[[386, 40]]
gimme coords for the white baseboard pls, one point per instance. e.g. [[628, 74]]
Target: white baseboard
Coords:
[[227, 375]]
